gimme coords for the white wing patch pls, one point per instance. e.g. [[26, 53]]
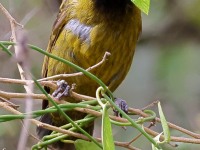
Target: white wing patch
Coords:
[[82, 31]]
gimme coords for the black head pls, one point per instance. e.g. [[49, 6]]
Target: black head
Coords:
[[113, 6]]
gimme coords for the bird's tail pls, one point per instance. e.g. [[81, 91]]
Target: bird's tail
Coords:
[[41, 132]]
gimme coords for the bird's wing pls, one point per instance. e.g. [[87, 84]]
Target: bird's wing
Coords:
[[56, 29], [61, 20]]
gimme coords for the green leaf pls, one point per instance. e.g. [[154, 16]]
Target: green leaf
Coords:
[[164, 124], [107, 137], [85, 145], [143, 5]]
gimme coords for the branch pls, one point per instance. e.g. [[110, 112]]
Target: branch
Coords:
[[26, 82], [13, 26], [64, 76], [137, 112], [83, 97], [59, 130], [21, 53], [171, 125]]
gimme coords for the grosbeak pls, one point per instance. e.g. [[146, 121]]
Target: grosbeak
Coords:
[[83, 31]]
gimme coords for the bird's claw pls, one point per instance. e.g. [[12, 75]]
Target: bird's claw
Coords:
[[63, 89], [122, 105]]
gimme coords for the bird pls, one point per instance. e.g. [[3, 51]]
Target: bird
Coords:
[[83, 32]]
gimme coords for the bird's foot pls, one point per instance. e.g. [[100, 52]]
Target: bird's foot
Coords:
[[122, 105], [62, 90]]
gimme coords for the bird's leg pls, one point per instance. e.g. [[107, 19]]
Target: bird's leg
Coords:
[[122, 105], [63, 89]]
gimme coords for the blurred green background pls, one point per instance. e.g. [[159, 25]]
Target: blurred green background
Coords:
[[165, 66]]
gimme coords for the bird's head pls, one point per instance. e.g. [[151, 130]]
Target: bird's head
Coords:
[[107, 6]]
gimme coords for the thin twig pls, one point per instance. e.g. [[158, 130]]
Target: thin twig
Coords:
[[64, 76], [173, 138], [23, 59], [59, 130], [139, 112], [13, 26], [10, 18], [171, 125], [10, 103], [9, 95], [149, 131], [134, 139], [21, 53], [150, 105], [51, 84], [44, 125]]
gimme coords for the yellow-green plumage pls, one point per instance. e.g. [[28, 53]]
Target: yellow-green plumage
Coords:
[[118, 37], [84, 31]]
